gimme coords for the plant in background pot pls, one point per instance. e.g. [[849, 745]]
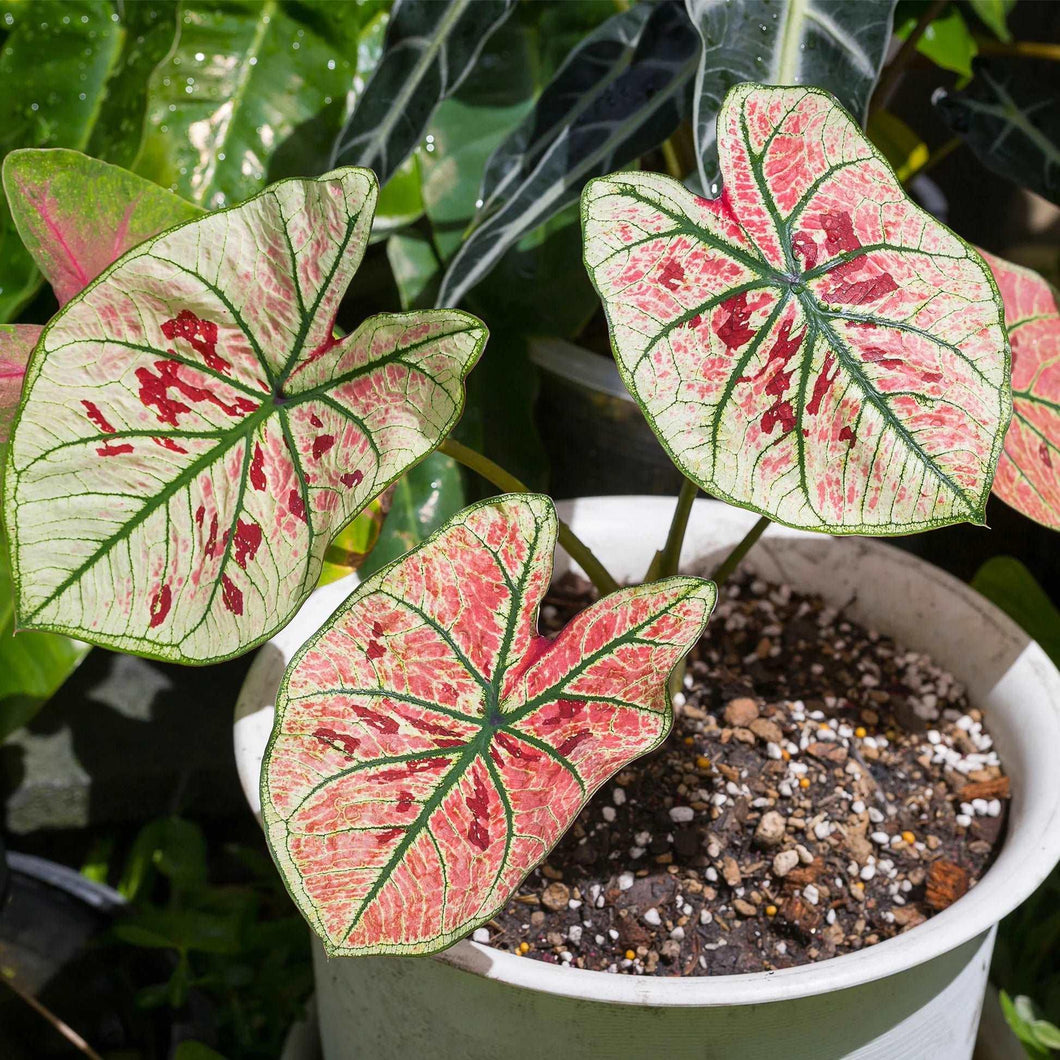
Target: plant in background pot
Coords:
[[192, 433]]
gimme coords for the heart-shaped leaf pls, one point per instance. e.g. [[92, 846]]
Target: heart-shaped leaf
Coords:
[[430, 747], [620, 93], [16, 344], [1028, 473], [76, 214], [835, 46], [810, 345], [431, 46], [1009, 118], [192, 434]]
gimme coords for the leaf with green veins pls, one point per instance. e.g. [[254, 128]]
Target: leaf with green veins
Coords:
[[621, 93], [832, 44], [400, 200], [430, 48], [422, 500], [47, 192], [430, 746], [242, 78], [16, 345], [947, 41], [1006, 582], [994, 14], [811, 344], [1028, 474], [54, 69], [198, 386], [1009, 118]]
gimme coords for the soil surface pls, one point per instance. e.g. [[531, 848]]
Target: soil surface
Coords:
[[823, 789]]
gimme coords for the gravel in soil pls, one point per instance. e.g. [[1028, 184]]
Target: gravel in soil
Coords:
[[823, 789]]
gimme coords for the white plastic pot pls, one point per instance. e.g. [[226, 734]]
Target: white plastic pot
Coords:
[[916, 995]]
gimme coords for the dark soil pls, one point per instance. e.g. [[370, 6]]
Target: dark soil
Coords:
[[823, 789]]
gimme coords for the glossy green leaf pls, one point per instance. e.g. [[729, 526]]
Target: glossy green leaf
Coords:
[[620, 93], [1006, 582], [832, 44], [994, 15], [54, 69], [947, 41], [416, 270], [423, 499], [242, 78], [431, 46], [77, 215], [1009, 117], [354, 542]]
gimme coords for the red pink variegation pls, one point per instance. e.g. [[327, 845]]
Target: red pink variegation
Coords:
[[194, 433], [1028, 474], [431, 747], [811, 344]]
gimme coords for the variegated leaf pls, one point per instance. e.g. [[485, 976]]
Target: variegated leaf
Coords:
[[1008, 116], [621, 92], [430, 746], [1028, 473], [810, 345], [431, 46], [193, 434], [833, 44], [76, 214], [16, 344]]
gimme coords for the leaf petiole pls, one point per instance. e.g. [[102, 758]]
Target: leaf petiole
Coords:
[[735, 557], [668, 558], [495, 474]]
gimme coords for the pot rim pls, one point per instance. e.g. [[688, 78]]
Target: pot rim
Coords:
[[1030, 849]]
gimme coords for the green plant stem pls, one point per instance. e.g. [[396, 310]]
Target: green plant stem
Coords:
[[893, 70], [495, 474], [941, 152], [735, 557], [1029, 49], [666, 560], [673, 163]]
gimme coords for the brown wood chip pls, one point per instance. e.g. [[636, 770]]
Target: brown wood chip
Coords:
[[998, 788], [946, 882]]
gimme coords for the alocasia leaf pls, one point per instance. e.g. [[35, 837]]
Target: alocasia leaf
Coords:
[[620, 93], [1005, 581], [193, 434], [811, 345], [833, 44], [431, 46], [76, 215], [1028, 473], [994, 14], [16, 344], [1009, 118], [430, 747], [242, 78]]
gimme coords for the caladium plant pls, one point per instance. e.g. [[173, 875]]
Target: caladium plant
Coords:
[[193, 433]]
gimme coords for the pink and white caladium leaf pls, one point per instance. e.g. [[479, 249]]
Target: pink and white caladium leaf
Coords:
[[77, 215], [430, 747], [810, 345], [16, 344], [1028, 473], [192, 433]]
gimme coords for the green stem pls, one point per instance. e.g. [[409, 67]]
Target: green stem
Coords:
[[673, 163], [495, 474], [936, 156], [666, 560], [1028, 48], [735, 557]]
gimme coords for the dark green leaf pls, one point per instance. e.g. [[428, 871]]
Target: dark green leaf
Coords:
[[832, 44], [429, 495], [993, 14], [416, 269], [430, 48], [1006, 582], [622, 92], [1009, 117], [195, 1051], [54, 68], [243, 77]]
